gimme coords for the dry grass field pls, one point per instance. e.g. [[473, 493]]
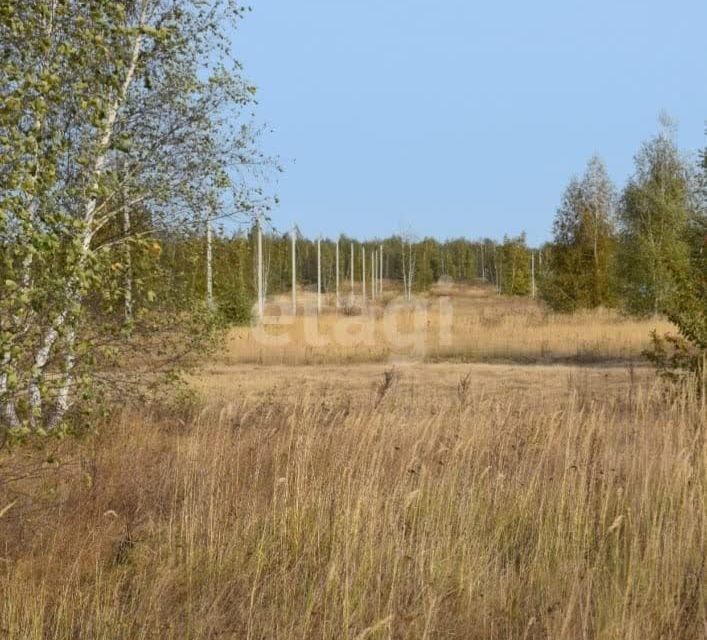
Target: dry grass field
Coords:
[[455, 491], [462, 323]]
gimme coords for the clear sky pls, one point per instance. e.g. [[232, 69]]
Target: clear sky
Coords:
[[461, 118]]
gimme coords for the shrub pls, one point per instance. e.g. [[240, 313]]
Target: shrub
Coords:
[[236, 308]]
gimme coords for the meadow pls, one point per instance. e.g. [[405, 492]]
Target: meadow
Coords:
[[453, 322], [494, 472]]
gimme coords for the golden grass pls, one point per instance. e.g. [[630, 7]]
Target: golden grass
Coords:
[[421, 500], [466, 323], [547, 386], [369, 516]]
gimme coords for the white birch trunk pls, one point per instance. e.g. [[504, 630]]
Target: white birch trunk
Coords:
[[408, 270], [337, 274], [319, 275], [411, 271], [72, 293], [380, 279], [209, 266], [373, 275], [294, 271], [41, 359], [405, 276], [261, 295], [63, 398], [7, 410], [363, 276], [128, 257], [352, 274]]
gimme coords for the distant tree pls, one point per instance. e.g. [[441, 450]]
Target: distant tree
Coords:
[[514, 266], [580, 266], [408, 263], [428, 267], [656, 207]]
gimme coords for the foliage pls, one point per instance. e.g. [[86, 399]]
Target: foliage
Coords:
[[236, 307], [580, 267], [513, 263], [655, 209], [122, 125], [676, 358], [683, 356], [460, 258]]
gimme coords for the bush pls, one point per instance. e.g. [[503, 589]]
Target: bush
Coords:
[[682, 357], [236, 308], [676, 358]]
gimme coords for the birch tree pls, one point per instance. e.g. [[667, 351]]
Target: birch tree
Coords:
[[580, 273], [515, 258], [408, 264], [655, 209], [144, 86]]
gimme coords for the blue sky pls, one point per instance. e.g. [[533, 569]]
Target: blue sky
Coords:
[[460, 118]]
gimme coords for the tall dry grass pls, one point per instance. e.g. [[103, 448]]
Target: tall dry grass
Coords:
[[389, 516], [465, 323]]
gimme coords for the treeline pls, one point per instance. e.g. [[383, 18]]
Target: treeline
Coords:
[[505, 265], [641, 249]]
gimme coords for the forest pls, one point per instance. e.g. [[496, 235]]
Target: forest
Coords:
[[628, 250]]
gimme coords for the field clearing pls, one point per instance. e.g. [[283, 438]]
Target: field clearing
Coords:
[[435, 383], [395, 498], [454, 322]]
